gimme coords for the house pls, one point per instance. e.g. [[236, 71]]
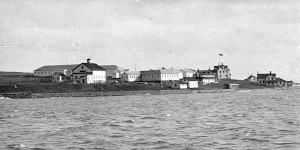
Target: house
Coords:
[[206, 76], [113, 71], [191, 81], [267, 79], [47, 71], [222, 72], [251, 78], [131, 76], [88, 73], [283, 83], [187, 72], [160, 75], [58, 77], [179, 85]]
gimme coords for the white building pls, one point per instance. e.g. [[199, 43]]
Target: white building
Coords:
[[131, 76], [187, 72], [88, 73], [113, 71], [161, 75], [179, 85], [191, 81], [47, 71]]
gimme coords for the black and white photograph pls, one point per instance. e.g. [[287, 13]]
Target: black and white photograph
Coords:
[[149, 74]]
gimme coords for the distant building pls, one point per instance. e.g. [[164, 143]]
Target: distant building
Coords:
[[191, 81], [231, 86], [206, 76], [113, 71], [58, 77], [179, 85], [267, 79], [88, 73], [187, 72], [161, 75], [251, 78], [222, 72], [47, 71], [131, 76], [283, 83]]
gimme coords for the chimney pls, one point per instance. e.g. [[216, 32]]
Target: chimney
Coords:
[[88, 60], [270, 72]]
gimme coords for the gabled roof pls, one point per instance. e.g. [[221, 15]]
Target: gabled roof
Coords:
[[109, 67], [59, 74], [56, 67], [251, 76], [265, 75], [280, 79], [92, 66], [220, 66]]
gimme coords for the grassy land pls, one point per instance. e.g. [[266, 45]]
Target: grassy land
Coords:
[[33, 86]]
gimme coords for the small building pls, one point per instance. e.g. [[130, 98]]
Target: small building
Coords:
[[88, 73], [179, 85], [206, 76], [191, 81], [251, 78], [131, 76], [58, 77], [113, 71], [231, 86], [187, 72], [283, 83]]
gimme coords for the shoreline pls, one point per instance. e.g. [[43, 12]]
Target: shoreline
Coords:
[[24, 95]]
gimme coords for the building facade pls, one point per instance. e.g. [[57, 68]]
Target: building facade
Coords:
[[47, 71], [131, 76], [187, 72], [222, 72], [251, 78], [58, 77], [191, 82], [113, 71], [267, 79], [88, 73], [161, 75], [206, 76]]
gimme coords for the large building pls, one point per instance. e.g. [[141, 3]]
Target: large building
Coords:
[[88, 73], [222, 72], [160, 75], [47, 71]]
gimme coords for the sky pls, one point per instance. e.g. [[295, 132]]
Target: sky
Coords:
[[255, 35]]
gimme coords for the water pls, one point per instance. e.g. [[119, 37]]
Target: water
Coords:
[[242, 120]]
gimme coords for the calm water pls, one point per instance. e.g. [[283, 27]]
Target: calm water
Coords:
[[242, 120]]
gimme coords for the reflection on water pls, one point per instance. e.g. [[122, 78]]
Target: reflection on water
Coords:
[[242, 120]]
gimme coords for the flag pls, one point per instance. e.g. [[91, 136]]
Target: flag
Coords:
[[221, 54]]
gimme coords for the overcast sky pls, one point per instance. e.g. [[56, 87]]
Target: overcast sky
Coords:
[[256, 35]]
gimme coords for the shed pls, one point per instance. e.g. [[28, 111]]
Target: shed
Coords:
[[231, 86], [179, 85]]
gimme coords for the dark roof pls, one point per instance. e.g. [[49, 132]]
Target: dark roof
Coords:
[[93, 66], [280, 79], [181, 82], [263, 76], [190, 78], [56, 67], [220, 66], [59, 73], [109, 67]]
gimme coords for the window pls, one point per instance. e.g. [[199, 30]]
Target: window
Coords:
[[75, 77], [81, 67]]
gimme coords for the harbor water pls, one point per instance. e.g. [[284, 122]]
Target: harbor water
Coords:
[[262, 119]]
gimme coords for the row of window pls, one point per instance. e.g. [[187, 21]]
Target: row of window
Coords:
[[223, 71]]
